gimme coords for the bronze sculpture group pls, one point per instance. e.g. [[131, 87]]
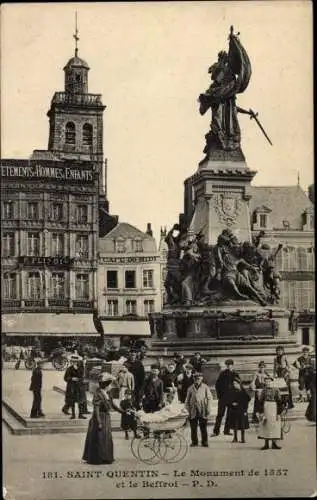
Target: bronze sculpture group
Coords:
[[198, 273]]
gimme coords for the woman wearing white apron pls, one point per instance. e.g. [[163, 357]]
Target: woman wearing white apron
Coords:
[[270, 408]]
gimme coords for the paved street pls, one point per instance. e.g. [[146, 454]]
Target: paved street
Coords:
[[241, 468]]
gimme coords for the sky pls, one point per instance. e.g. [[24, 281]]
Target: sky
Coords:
[[150, 62]]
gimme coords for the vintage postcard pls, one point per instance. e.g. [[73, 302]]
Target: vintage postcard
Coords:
[[158, 255]]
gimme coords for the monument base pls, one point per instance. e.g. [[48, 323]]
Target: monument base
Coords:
[[243, 331]]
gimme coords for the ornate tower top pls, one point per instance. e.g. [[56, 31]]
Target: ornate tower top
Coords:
[[76, 70]]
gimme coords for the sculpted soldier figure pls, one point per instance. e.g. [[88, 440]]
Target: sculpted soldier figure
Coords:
[[233, 267], [174, 277], [190, 268]]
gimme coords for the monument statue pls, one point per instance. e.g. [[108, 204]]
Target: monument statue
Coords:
[[199, 273], [222, 285], [230, 76]]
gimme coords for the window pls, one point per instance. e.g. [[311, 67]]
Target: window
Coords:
[[148, 278], [57, 211], [58, 285], [34, 286], [113, 309], [33, 211], [87, 134], [120, 246], [82, 214], [70, 133], [112, 279], [130, 306], [7, 210], [148, 306], [9, 286], [263, 220], [130, 279], [33, 244], [57, 244], [82, 286], [78, 78], [8, 245], [302, 263], [138, 246], [310, 221], [82, 246]]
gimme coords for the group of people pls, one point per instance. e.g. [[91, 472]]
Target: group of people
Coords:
[[182, 379]]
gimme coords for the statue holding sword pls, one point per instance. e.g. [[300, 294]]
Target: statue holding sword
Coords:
[[230, 76]]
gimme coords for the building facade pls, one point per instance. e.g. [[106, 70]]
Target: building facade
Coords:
[[50, 219], [286, 215], [129, 284]]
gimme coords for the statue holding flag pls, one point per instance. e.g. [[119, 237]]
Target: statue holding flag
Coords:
[[230, 76]]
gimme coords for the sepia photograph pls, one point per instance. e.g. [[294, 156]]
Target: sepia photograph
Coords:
[[157, 250]]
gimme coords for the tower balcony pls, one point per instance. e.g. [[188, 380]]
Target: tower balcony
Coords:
[[77, 99]]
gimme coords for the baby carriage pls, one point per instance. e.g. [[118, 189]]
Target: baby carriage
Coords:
[[160, 440]]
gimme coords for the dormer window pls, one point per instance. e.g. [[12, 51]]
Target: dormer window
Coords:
[[261, 218], [120, 246], [138, 246], [308, 219]]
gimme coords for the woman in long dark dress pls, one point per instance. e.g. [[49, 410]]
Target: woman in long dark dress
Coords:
[[99, 444], [238, 401], [310, 413]]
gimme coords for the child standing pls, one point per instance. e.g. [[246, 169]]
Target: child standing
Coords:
[[128, 421], [238, 400]]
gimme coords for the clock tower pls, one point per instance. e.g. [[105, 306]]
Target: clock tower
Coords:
[[76, 122]]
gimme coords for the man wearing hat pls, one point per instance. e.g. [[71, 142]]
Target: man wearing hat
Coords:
[[36, 388], [304, 364], [73, 378], [184, 381], [223, 385], [136, 367], [198, 404], [152, 392]]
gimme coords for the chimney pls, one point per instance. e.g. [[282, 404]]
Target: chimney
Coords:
[[149, 229]]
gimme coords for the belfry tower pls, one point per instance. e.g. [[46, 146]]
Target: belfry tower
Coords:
[[76, 121]]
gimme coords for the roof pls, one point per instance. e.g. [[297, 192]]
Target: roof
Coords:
[[76, 62], [39, 154], [125, 230], [285, 202]]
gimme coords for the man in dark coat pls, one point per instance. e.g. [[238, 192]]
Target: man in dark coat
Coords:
[[152, 392], [136, 367], [170, 377], [185, 380], [73, 378], [197, 362], [223, 386], [36, 388]]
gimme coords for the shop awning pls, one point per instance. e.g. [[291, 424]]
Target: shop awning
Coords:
[[123, 327], [48, 324]]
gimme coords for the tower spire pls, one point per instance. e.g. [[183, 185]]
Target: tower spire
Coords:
[[298, 179], [75, 35]]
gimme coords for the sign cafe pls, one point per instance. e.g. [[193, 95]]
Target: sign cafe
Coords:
[[44, 172], [126, 260]]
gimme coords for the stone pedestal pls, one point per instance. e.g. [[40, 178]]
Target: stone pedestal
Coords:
[[217, 196], [243, 331]]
